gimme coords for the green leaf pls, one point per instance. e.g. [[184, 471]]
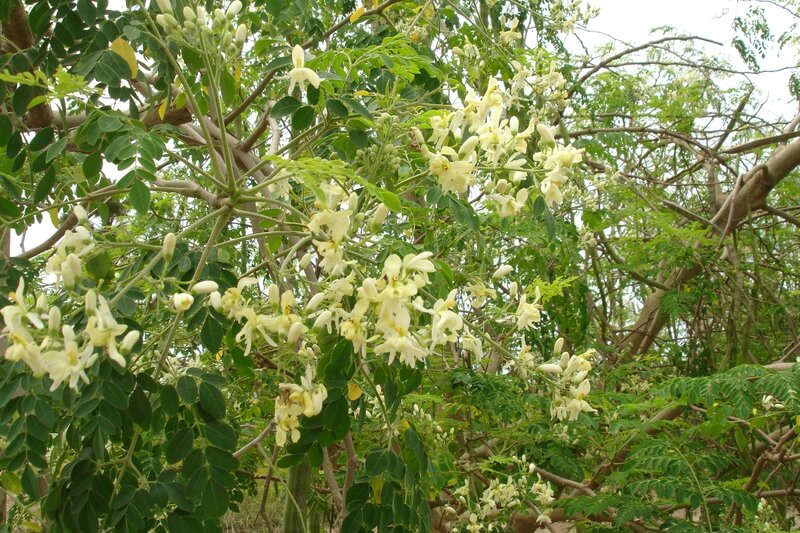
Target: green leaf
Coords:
[[335, 414], [336, 108], [139, 408], [45, 185], [56, 148], [139, 196], [187, 389], [109, 123], [538, 206], [285, 107], [389, 198], [352, 523], [357, 107], [111, 69], [227, 87], [179, 446], [211, 334], [221, 434], [212, 401], [550, 224], [303, 117], [9, 209], [357, 496], [170, 402], [99, 266], [215, 500], [87, 11], [92, 164], [30, 483], [42, 139], [464, 214]]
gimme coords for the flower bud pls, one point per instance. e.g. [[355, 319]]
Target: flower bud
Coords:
[[168, 248], [559, 345], [205, 287], [513, 289], [233, 9], [215, 299], [189, 14], [241, 34], [352, 201], [42, 304], [550, 368], [129, 341], [295, 332], [91, 302], [170, 22], [80, 214], [305, 260], [468, 146], [71, 270], [502, 271], [54, 319], [323, 320], [314, 302], [164, 5], [368, 286], [182, 301], [274, 294], [380, 216]]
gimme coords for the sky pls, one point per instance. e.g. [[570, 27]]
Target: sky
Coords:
[[630, 21]]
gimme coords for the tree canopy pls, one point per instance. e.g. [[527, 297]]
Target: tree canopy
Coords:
[[402, 266]]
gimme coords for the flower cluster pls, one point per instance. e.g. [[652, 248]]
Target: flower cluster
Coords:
[[284, 322], [294, 401], [572, 386], [199, 28], [56, 349], [489, 137], [66, 263], [521, 489], [385, 309], [331, 224]]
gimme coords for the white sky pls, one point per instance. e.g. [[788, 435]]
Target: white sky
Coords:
[[630, 21]]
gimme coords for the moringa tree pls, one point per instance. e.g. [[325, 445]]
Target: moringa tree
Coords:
[[408, 266]]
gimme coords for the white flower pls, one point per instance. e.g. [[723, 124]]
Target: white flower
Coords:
[[528, 313], [452, 175], [69, 364], [547, 134], [408, 348], [182, 301], [300, 75], [103, 330]]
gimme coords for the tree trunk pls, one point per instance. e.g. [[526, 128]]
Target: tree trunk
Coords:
[[298, 483]]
